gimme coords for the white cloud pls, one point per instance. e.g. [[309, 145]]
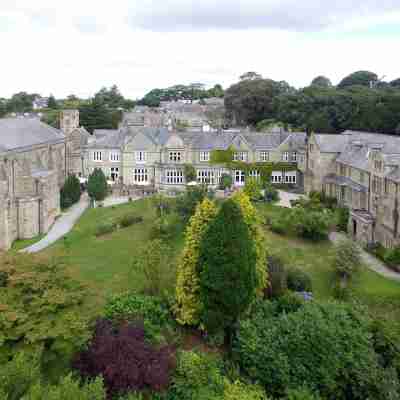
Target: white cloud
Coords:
[[73, 46]]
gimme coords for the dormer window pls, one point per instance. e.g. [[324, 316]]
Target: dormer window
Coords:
[[285, 156], [264, 156], [140, 156]]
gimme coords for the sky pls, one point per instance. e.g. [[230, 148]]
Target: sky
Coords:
[[76, 47]]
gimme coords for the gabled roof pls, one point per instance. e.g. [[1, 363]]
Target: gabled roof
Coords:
[[17, 133], [329, 143]]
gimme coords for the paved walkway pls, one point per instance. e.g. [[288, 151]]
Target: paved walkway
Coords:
[[286, 197], [61, 227], [114, 201], [370, 261]]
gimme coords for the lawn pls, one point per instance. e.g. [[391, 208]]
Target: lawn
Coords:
[[105, 263]]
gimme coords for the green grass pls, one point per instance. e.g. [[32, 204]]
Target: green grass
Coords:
[[105, 263], [21, 244]]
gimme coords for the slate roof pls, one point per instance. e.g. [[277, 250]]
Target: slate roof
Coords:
[[344, 181], [331, 143], [18, 133], [355, 156]]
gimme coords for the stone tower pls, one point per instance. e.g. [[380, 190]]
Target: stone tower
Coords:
[[69, 121]]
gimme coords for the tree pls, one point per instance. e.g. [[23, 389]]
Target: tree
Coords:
[[52, 103], [321, 81], [70, 193], [362, 78], [225, 181], [186, 204], [190, 173], [188, 304], [97, 185], [395, 83], [21, 102], [3, 108], [227, 270], [324, 347], [153, 263], [252, 189]]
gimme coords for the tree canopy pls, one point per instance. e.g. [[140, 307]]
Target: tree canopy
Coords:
[[321, 81], [363, 78]]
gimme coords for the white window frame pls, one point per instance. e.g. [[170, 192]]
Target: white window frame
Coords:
[[114, 156], [206, 176], [254, 174], [97, 156], [276, 177], [239, 177], [291, 178], [240, 156], [115, 171], [264, 156], [140, 176], [174, 177], [294, 156], [285, 156], [204, 156], [175, 156], [140, 157]]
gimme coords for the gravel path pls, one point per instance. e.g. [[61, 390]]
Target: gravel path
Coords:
[[61, 227], [370, 261], [286, 197]]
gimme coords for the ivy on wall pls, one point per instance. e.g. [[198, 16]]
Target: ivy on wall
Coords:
[[225, 158]]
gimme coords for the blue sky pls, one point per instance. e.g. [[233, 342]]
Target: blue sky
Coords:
[[77, 46]]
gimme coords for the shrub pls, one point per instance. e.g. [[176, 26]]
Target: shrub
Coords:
[[128, 220], [343, 214], [347, 259], [241, 391], [392, 257], [70, 193], [309, 224], [279, 227], [225, 182], [271, 194], [97, 185], [377, 249], [105, 228], [253, 189], [298, 280], [188, 304], [277, 277], [190, 173], [325, 347], [302, 394], [127, 363], [227, 269], [133, 307], [186, 204]]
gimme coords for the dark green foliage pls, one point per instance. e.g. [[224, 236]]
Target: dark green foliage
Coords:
[[392, 257], [277, 277], [298, 280], [378, 250], [302, 394], [225, 182], [325, 347], [362, 78], [70, 193], [21, 102], [105, 228], [227, 269], [52, 103], [97, 185], [186, 204], [190, 173], [343, 214], [311, 224], [271, 194], [278, 226], [321, 81], [95, 115], [129, 219]]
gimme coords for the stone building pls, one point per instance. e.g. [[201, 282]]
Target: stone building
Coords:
[[362, 171], [34, 161]]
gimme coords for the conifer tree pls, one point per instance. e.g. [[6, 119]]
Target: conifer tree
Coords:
[[97, 185], [188, 305], [227, 270]]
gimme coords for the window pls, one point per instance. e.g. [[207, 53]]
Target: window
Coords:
[[239, 177], [114, 156], [378, 165], [264, 156], [276, 177], [342, 170], [240, 156], [206, 176], [204, 156], [97, 156], [294, 156], [140, 156], [175, 156], [255, 174], [291, 177], [140, 176], [114, 173], [285, 156], [174, 176]]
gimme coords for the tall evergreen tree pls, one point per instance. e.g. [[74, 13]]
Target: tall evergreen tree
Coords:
[[227, 270], [97, 185], [52, 103]]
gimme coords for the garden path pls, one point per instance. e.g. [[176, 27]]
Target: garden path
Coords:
[[370, 261], [286, 197]]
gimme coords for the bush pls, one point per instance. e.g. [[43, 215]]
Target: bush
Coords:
[[105, 228], [277, 277], [97, 185], [278, 227], [298, 280], [302, 394], [70, 193], [343, 214], [127, 220], [190, 173], [127, 363], [347, 259], [392, 257], [378, 250], [325, 347], [271, 194], [186, 204], [253, 189], [311, 224], [225, 182]]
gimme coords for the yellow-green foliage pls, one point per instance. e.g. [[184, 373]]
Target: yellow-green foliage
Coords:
[[253, 221], [188, 304], [240, 391]]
